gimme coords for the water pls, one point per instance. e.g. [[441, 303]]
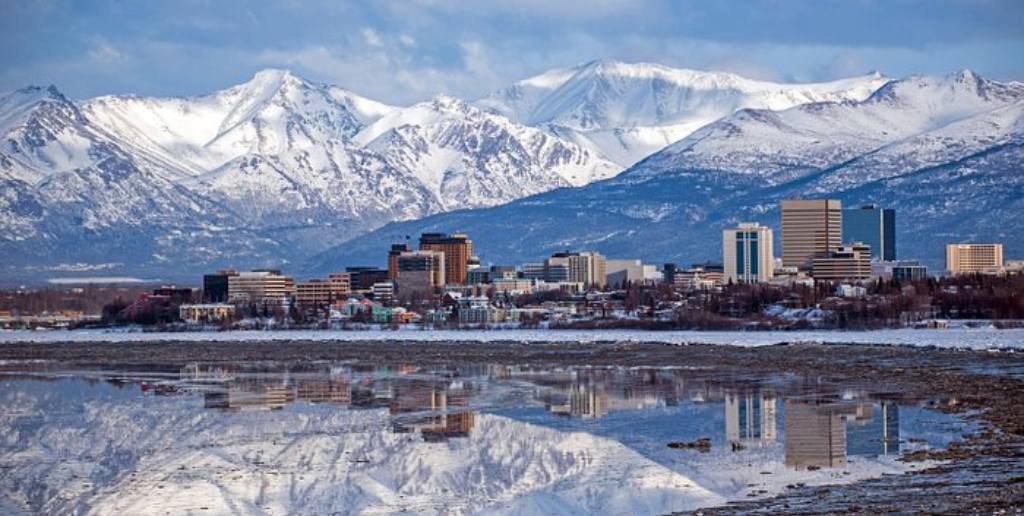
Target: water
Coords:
[[399, 439]]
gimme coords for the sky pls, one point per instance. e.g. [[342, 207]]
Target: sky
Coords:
[[405, 51]]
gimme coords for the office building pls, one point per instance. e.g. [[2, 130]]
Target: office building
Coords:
[[747, 253], [848, 262], [623, 272], [458, 254], [362, 278], [262, 286], [810, 227], [215, 286], [420, 273], [909, 270], [313, 292], [396, 249], [875, 227], [971, 258], [341, 284], [587, 267]]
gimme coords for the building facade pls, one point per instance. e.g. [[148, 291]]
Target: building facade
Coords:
[[587, 267], [420, 273], [215, 286], [810, 227], [266, 286], [747, 253], [874, 226], [971, 258], [458, 253], [848, 262]]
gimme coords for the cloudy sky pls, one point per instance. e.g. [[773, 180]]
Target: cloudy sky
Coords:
[[402, 51]]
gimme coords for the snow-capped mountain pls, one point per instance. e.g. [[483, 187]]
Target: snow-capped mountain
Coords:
[[628, 111], [262, 173], [945, 152]]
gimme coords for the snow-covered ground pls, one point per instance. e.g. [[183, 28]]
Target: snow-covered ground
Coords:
[[958, 338]]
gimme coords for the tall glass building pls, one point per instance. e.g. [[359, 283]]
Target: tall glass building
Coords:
[[874, 226]]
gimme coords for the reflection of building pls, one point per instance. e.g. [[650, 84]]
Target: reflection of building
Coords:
[[250, 395], [876, 432], [324, 390], [750, 417], [815, 435], [446, 410], [582, 400]]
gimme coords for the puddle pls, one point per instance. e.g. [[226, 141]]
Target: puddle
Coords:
[[479, 439]]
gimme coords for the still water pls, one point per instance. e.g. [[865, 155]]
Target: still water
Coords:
[[344, 439]]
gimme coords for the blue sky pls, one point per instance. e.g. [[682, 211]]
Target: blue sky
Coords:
[[403, 51]]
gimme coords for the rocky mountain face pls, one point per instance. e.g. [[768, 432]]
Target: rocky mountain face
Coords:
[[946, 152], [267, 172]]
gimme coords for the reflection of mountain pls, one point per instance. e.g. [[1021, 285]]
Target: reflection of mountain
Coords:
[[165, 457]]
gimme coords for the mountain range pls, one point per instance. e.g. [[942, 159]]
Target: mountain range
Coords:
[[635, 160]]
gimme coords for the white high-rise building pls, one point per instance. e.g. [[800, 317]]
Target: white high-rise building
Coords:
[[747, 253]]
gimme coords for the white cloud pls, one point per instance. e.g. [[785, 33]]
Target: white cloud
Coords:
[[372, 38]]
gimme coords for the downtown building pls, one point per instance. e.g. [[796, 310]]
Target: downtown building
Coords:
[[848, 262], [420, 274], [810, 227], [974, 258], [747, 253], [873, 226], [587, 268], [458, 254], [261, 286]]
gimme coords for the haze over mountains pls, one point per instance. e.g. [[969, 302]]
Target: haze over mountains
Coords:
[[280, 171]]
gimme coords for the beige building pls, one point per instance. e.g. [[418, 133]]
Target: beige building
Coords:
[[206, 312], [341, 283], [810, 227], [313, 292], [587, 267], [747, 253], [970, 258], [849, 262], [260, 287]]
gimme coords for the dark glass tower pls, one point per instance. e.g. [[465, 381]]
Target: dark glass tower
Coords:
[[873, 226]]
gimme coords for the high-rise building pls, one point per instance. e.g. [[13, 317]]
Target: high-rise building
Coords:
[[809, 227], [458, 253], [848, 262], [215, 286], [363, 278], [747, 253], [874, 226], [970, 258], [420, 273], [586, 267], [396, 249]]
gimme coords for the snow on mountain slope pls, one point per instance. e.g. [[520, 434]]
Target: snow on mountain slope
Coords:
[[273, 164], [945, 152], [470, 158], [628, 111]]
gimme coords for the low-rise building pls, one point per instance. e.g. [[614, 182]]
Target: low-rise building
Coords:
[[262, 286], [848, 262], [207, 312]]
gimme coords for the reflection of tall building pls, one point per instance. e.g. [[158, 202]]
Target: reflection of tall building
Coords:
[[447, 410], [750, 417], [582, 400], [877, 434], [815, 435], [250, 395]]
